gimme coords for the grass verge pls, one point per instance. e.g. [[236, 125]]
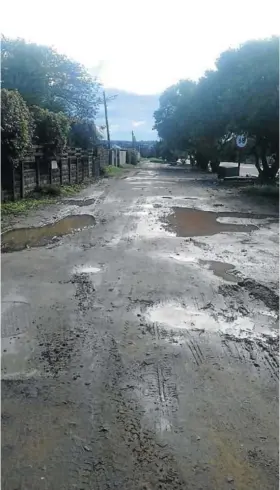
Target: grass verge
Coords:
[[41, 197], [270, 191], [156, 160], [112, 171]]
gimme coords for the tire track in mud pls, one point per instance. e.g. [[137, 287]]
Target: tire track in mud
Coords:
[[124, 452], [263, 350], [126, 449]]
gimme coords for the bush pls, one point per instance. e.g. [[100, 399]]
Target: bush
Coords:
[[16, 125], [47, 190], [83, 134], [131, 157], [51, 129], [156, 160]]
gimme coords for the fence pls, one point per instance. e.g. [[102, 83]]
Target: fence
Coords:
[[72, 166]]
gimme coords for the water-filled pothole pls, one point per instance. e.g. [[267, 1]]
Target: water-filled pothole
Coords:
[[187, 222], [175, 316], [220, 269], [20, 238], [79, 202]]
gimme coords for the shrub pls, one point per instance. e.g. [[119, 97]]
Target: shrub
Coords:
[[51, 129], [131, 157], [83, 134], [47, 190], [16, 125], [156, 160]]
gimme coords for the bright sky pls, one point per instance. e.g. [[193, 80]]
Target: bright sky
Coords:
[[141, 46]]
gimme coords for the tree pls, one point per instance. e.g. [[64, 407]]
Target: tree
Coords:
[[249, 81], [48, 79], [174, 114], [16, 125], [83, 134], [51, 129], [240, 96]]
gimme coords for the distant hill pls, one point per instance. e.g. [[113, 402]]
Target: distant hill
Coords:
[[130, 112]]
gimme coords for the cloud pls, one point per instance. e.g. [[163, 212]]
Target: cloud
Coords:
[[114, 127], [184, 53], [135, 124]]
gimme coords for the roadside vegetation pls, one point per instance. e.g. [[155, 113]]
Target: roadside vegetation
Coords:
[[156, 160], [265, 190], [48, 100], [42, 196], [112, 171], [241, 96]]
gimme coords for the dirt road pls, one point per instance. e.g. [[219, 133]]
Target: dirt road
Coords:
[[140, 351]]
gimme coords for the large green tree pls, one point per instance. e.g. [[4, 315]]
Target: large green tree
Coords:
[[48, 79], [248, 80], [17, 127], [240, 96], [174, 114]]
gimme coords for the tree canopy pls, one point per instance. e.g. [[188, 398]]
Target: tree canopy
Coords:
[[47, 99], [16, 124], [48, 79], [240, 96]]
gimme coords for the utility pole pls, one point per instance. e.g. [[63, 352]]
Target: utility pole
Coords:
[[106, 119]]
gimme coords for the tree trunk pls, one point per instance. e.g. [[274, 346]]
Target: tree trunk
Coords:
[[266, 174], [275, 164], [215, 165], [257, 162], [202, 161]]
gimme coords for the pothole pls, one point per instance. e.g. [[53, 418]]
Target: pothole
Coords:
[[187, 222], [20, 238], [79, 202], [220, 269], [175, 316], [86, 269], [16, 352], [225, 270]]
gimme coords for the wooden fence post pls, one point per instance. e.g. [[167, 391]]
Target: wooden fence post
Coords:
[[37, 168], [69, 169], [22, 179], [50, 171], [77, 171], [60, 171], [83, 168], [13, 182]]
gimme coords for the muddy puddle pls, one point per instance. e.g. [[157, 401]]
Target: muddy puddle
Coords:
[[175, 316], [225, 270], [16, 352], [220, 269], [79, 202], [187, 222], [21, 238]]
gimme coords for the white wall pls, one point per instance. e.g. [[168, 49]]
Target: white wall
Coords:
[[122, 157]]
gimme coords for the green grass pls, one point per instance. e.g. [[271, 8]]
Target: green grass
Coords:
[[71, 190], [42, 197], [24, 205], [112, 171], [270, 191], [156, 160]]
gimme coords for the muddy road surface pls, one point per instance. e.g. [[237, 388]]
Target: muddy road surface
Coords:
[[140, 346]]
